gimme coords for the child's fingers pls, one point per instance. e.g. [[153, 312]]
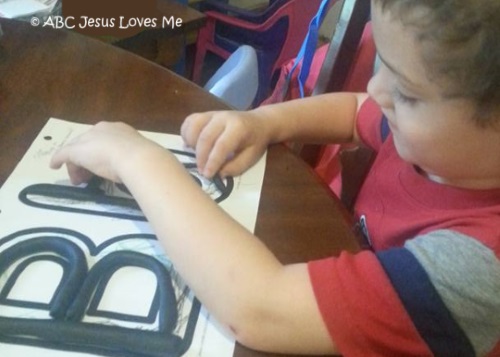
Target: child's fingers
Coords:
[[206, 141], [65, 156], [226, 145], [240, 163], [57, 160], [78, 174], [193, 126]]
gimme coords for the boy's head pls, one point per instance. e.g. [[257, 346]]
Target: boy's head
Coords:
[[459, 47], [438, 87]]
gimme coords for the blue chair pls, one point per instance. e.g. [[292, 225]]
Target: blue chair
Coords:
[[236, 82]]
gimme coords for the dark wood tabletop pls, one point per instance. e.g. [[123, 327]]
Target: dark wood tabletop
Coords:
[[55, 73]]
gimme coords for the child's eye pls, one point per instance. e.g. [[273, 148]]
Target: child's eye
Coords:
[[403, 98]]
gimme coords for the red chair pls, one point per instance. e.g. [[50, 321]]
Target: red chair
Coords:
[[276, 34]]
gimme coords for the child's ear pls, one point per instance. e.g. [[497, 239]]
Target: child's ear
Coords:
[[488, 116]]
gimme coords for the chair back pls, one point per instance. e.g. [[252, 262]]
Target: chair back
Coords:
[[276, 40], [339, 72], [236, 81], [299, 14], [344, 51], [348, 66]]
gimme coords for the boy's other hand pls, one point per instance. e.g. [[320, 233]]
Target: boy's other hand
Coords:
[[228, 142], [100, 151]]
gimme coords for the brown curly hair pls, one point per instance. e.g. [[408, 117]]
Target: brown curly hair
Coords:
[[460, 47]]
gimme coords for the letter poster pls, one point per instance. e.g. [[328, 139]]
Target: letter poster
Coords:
[[81, 271]]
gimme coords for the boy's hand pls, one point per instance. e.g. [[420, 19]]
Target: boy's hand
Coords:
[[100, 151], [228, 142]]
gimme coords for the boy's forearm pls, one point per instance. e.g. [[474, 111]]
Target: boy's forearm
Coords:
[[230, 270], [320, 119]]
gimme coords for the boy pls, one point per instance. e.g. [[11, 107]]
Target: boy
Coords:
[[431, 202]]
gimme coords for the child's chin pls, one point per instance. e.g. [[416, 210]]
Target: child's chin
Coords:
[[404, 153]]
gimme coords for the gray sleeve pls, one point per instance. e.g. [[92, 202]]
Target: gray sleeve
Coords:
[[466, 275]]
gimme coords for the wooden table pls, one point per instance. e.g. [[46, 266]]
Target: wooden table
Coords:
[[51, 73]]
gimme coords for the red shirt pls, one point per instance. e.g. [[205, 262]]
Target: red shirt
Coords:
[[394, 301]]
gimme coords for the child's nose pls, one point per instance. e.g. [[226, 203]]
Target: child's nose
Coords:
[[379, 88]]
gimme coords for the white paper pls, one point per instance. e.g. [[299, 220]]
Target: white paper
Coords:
[[128, 297]]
